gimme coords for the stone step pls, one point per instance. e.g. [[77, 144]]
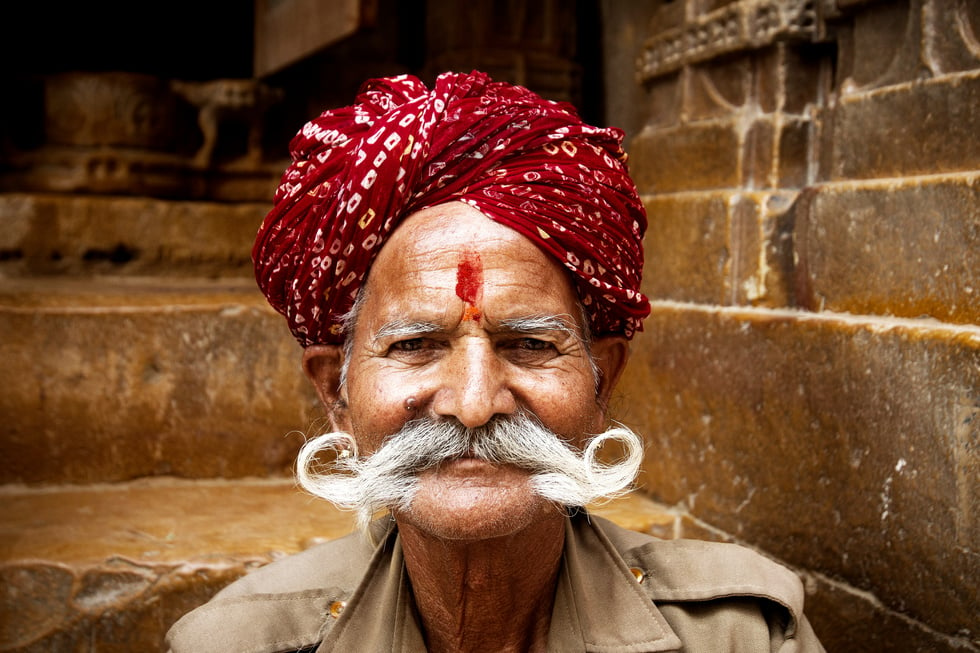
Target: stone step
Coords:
[[107, 379], [86, 235], [110, 567]]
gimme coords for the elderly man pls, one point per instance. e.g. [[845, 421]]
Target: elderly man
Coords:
[[462, 266]]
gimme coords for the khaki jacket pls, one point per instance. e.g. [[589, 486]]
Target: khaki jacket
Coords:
[[348, 595]]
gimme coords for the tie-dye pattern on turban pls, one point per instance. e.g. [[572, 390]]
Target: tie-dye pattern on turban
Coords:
[[525, 162]]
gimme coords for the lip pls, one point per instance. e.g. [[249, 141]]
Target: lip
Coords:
[[468, 462]]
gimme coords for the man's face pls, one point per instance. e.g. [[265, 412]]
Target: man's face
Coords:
[[452, 319]]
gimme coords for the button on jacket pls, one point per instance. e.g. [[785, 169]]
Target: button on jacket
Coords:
[[618, 592]]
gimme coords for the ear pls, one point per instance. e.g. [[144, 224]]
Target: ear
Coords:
[[611, 355], [322, 365]]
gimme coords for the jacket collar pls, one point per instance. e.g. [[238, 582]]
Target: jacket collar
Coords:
[[599, 605]]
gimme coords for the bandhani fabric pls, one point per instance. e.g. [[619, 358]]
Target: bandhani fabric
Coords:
[[525, 162]]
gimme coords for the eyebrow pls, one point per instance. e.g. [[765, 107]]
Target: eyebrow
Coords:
[[400, 328], [542, 324]]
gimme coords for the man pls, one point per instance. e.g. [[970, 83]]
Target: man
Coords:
[[462, 267]]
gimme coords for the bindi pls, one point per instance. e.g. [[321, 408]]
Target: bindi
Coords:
[[469, 284]]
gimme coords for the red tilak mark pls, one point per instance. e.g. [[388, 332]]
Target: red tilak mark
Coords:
[[469, 284]]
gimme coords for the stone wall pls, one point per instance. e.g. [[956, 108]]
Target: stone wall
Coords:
[[809, 380]]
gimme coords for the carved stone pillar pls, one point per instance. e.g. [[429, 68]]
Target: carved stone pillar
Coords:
[[527, 42]]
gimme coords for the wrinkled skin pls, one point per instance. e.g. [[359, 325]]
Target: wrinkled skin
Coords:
[[441, 325]]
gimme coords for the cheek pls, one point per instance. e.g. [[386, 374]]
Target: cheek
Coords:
[[377, 410], [565, 406]]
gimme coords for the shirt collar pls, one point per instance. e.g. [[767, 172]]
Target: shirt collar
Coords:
[[599, 605]]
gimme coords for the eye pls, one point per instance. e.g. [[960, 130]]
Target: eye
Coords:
[[528, 351], [412, 344], [533, 344]]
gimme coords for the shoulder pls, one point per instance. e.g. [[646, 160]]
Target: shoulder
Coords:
[[694, 572], [282, 606], [337, 563]]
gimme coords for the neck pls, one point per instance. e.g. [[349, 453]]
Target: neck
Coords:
[[500, 590]]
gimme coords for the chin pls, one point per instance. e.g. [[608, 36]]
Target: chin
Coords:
[[472, 511]]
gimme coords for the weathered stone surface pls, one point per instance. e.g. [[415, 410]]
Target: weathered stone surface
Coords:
[[691, 157], [895, 42], [722, 248], [755, 152], [758, 154], [881, 47], [761, 249], [715, 29], [287, 34], [623, 29], [157, 521], [122, 109], [949, 34], [41, 595], [686, 247], [790, 78], [717, 88], [916, 128], [663, 102], [844, 445], [116, 381], [84, 235], [909, 248], [112, 567], [841, 618]]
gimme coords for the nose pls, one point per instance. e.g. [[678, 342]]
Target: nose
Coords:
[[474, 386]]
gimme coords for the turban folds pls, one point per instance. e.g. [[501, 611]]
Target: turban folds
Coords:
[[524, 162]]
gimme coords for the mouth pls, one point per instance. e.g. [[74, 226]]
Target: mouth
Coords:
[[467, 461]]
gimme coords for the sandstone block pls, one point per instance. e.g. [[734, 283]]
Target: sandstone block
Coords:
[[663, 105], [841, 619], [193, 379], [949, 35], [758, 154], [882, 47], [790, 78], [792, 168], [84, 235], [840, 444], [716, 88], [690, 157], [909, 248], [686, 247], [915, 128], [721, 248]]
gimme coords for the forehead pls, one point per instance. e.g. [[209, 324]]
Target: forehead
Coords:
[[445, 256]]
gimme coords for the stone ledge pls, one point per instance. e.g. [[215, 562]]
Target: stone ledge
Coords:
[[115, 565], [77, 234], [112, 379], [102, 292], [867, 423]]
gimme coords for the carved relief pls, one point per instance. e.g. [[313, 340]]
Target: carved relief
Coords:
[[222, 100], [121, 109], [951, 35], [746, 25], [120, 133]]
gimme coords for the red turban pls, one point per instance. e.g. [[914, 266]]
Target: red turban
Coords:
[[525, 162]]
